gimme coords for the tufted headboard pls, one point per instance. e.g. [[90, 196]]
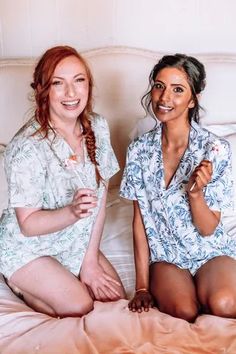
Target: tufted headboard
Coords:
[[121, 78]]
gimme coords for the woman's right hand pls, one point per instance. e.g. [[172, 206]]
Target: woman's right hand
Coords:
[[141, 301], [84, 200]]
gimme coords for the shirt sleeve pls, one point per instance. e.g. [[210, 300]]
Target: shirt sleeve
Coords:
[[25, 174], [219, 192], [108, 164], [127, 188]]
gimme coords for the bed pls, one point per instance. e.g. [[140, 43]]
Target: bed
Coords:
[[121, 77]]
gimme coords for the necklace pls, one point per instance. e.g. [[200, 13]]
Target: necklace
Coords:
[[71, 163], [75, 140], [78, 155]]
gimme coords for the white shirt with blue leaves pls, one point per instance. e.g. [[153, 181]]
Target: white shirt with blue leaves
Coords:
[[170, 232], [41, 175]]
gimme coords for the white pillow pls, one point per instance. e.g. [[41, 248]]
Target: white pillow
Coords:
[[222, 129], [3, 183], [142, 126]]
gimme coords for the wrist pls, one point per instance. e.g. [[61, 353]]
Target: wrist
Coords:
[[91, 259], [141, 290], [72, 216], [195, 195]]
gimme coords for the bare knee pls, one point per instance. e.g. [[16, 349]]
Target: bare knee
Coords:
[[223, 304], [74, 308], [187, 311], [66, 309]]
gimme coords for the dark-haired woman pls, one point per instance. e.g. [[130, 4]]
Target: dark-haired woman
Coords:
[[179, 178], [58, 166]]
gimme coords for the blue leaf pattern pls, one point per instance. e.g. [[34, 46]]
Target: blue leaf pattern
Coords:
[[171, 235], [37, 179]]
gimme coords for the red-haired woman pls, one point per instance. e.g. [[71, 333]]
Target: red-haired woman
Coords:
[[58, 166]]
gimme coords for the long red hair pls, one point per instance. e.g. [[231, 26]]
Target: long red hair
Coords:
[[42, 79]]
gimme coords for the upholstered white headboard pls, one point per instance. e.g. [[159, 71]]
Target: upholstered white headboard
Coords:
[[121, 78]]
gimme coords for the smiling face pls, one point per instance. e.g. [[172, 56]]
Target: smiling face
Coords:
[[68, 93], [171, 95]]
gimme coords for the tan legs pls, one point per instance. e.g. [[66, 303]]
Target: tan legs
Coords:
[[174, 291], [216, 286], [213, 287]]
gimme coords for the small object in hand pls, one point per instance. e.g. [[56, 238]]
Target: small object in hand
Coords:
[[191, 189]]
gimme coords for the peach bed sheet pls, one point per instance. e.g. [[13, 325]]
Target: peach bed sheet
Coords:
[[109, 328]]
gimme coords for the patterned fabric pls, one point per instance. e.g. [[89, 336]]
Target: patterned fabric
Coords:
[[171, 235], [39, 177]]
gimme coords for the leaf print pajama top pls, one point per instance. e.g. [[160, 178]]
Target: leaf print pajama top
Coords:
[[39, 178], [166, 215]]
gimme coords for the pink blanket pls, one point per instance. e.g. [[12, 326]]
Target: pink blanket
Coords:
[[109, 328]]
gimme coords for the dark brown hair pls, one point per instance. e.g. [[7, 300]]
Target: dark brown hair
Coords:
[[196, 76]]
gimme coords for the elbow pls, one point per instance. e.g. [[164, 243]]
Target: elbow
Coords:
[[207, 231], [25, 230], [208, 227]]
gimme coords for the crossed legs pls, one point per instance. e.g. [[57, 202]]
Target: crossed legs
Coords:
[[179, 294]]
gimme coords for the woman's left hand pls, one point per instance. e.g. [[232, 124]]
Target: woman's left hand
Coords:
[[102, 285], [200, 177]]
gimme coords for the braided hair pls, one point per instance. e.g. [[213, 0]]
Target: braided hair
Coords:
[[42, 79]]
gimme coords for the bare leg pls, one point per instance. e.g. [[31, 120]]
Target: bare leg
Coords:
[[216, 286], [109, 269], [50, 288], [174, 290]]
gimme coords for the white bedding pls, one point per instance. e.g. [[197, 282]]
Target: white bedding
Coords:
[[111, 328]]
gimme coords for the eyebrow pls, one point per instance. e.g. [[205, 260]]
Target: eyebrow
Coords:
[[74, 77], [171, 84]]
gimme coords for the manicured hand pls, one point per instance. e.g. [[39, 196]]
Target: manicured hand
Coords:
[[84, 200], [141, 301], [200, 177]]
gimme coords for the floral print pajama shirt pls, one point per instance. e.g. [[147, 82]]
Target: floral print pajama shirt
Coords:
[[39, 176], [166, 215]]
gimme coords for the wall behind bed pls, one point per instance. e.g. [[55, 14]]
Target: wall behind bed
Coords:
[[27, 27]]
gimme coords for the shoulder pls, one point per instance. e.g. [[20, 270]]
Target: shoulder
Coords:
[[203, 134], [213, 144], [23, 141], [100, 128], [98, 122], [145, 140], [216, 142]]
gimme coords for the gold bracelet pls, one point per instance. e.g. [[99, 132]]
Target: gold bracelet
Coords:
[[145, 290]]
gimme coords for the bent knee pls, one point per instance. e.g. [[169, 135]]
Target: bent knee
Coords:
[[222, 304], [187, 312], [75, 308]]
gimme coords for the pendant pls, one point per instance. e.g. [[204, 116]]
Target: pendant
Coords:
[[72, 161]]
